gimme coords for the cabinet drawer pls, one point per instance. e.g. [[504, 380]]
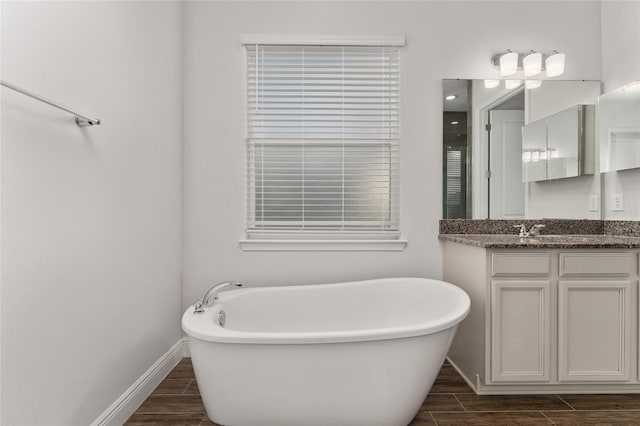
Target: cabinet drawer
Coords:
[[506, 264], [595, 264]]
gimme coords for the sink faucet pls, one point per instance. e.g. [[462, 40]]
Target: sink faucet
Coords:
[[212, 295], [533, 231], [523, 230]]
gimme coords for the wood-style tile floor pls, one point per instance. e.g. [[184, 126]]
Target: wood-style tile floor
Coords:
[[176, 401]]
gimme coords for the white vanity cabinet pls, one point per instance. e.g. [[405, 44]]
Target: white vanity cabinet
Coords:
[[547, 320], [520, 332], [594, 330]]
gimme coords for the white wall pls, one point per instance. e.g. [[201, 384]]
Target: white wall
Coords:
[[621, 65], [444, 40], [91, 218]]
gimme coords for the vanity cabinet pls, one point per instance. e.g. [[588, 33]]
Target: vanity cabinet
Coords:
[[547, 320], [594, 330], [520, 330]]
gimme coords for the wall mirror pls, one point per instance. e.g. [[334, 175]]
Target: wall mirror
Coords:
[[619, 128], [483, 154]]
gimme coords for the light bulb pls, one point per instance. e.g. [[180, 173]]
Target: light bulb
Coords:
[[508, 63], [532, 64], [554, 64], [532, 84], [512, 84], [490, 84], [450, 97]]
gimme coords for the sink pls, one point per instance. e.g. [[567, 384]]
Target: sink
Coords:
[[566, 238]]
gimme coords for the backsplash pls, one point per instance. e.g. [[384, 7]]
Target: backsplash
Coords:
[[499, 226], [628, 228]]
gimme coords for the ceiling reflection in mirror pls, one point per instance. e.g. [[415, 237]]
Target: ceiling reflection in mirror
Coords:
[[518, 152]]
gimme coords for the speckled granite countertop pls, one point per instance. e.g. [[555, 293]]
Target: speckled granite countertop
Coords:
[[502, 241], [501, 226]]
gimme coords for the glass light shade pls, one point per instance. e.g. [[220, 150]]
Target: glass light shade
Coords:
[[490, 84], [532, 84], [532, 64], [509, 64], [555, 64], [512, 84]]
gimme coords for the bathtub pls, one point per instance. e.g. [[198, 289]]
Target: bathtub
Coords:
[[357, 353]]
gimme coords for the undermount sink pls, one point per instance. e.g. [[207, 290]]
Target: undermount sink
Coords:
[[565, 238]]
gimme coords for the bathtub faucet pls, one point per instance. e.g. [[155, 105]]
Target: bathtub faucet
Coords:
[[212, 295]]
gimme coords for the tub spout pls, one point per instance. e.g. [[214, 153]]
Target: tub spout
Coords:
[[212, 295]]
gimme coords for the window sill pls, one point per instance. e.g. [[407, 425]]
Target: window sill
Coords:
[[322, 245]]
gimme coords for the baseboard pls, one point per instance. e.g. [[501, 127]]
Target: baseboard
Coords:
[[187, 352], [473, 386], [132, 398]]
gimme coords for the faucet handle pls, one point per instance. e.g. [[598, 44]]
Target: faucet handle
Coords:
[[535, 229], [198, 307]]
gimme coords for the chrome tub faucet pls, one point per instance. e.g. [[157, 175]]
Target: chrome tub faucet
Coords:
[[212, 295]]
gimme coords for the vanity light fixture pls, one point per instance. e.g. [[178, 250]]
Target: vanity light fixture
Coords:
[[490, 84], [450, 97], [512, 84], [508, 63], [532, 84], [455, 122], [554, 64], [532, 64]]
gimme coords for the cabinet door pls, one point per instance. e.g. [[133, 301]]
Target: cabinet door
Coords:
[[594, 323], [520, 331]]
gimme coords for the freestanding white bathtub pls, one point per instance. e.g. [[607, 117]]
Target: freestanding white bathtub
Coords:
[[359, 353]]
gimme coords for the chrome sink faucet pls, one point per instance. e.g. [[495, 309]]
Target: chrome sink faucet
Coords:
[[212, 295], [535, 230], [532, 232]]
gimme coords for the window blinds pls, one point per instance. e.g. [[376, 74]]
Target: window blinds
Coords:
[[322, 139]]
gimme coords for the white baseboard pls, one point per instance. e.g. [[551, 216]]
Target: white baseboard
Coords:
[[132, 398], [187, 352]]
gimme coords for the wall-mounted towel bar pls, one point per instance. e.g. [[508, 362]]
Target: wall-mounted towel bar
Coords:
[[82, 120]]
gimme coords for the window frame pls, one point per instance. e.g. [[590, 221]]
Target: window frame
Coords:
[[321, 240]]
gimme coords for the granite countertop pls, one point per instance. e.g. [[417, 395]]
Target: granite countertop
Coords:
[[572, 241]]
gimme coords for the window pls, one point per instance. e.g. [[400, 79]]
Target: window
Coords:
[[322, 142]]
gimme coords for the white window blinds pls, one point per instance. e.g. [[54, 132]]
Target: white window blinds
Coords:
[[322, 140]]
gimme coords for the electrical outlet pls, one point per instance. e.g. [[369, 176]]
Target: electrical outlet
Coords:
[[618, 202], [594, 203]]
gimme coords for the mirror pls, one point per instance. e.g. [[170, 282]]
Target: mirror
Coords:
[[559, 146], [484, 152], [619, 128]]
